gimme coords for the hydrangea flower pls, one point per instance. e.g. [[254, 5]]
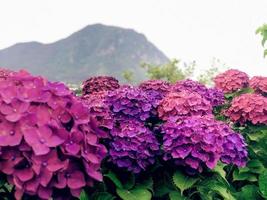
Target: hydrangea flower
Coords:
[[45, 131], [99, 111], [234, 149], [133, 146], [131, 102], [259, 84], [231, 80], [4, 73], [248, 108], [214, 96], [184, 103], [198, 142], [98, 84]]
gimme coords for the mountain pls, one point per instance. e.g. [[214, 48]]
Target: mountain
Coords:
[[95, 50]]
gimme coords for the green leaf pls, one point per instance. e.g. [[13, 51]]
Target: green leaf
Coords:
[[213, 186], [255, 166], [248, 192], [103, 196], [219, 169], [263, 183], [135, 194], [146, 184], [182, 181], [174, 195], [113, 177], [130, 182], [84, 196], [241, 176]]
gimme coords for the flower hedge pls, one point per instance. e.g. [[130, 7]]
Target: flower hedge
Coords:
[[156, 140]]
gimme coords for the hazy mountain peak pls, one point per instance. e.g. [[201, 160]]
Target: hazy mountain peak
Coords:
[[96, 49]]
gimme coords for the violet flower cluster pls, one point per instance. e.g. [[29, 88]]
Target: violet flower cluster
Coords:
[[184, 103], [133, 146], [98, 84], [131, 102], [259, 84], [248, 108], [231, 80], [46, 141], [213, 95], [198, 142]]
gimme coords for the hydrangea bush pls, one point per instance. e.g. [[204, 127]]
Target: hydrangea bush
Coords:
[[259, 84], [46, 141], [156, 140]]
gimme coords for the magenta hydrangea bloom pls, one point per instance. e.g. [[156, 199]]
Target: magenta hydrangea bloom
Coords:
[[184, 103], [259, 84], [214, 96], [99, 83], [131, 102], [99, 112], [248, 108], [133, 146], [4, 73], [198, 142], [231, 80], [45, 131]]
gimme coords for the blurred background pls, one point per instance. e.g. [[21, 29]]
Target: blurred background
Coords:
[[72, 40]]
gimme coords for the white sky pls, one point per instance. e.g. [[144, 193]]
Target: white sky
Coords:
[[184, 29]]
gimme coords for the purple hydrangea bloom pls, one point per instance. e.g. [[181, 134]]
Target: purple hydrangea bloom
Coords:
[[198, 142], [45, 130], [234, 149], [131, 102], [99, 83], [181, 104], [133, 146], [214, 96]]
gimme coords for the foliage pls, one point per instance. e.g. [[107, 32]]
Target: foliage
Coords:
[[262, 30]]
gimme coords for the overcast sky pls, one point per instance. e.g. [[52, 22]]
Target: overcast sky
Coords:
[[185, 29]]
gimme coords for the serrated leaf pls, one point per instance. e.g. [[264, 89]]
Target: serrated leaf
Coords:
[[135, 194], [146, 184], [113, 177], [103, 196], [84, 196], [263, 183], [241, 176], [248, 192], [182, 181], [174, 195]]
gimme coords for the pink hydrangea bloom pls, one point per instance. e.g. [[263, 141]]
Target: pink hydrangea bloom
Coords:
[[248, 108], [45, 131], [259, 84], [184, 103], [231, 80]]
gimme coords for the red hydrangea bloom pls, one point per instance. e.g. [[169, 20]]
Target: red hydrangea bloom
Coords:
[[248, 108], [198, 142], [133, 146], [231, 80], [131, 102], [214, 96], [259, 84], [98, 84], [45, 131], [99, 112], [184, 103]]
